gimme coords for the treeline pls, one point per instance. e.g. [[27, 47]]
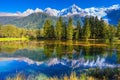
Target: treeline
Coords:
[[11, 31], [93, 28]]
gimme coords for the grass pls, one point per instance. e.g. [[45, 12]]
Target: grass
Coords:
[[13, 39], [43, 77]]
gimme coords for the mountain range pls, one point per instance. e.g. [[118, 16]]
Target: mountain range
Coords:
[[35, 18]]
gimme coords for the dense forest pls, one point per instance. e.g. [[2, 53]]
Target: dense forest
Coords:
[[93, 28]]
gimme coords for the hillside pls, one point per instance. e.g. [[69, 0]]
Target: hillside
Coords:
[[33, 19]]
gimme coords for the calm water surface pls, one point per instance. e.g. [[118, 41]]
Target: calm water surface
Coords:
[[56, 58]]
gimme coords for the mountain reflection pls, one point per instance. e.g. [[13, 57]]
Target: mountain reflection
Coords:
[[56, 59]]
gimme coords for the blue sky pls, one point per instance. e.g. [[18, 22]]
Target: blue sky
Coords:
[[22, 5]]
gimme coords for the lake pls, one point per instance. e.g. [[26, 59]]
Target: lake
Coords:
[[57, 58]]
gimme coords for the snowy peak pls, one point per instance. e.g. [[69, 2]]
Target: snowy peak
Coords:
[[114, 7], [51, 12], [30, 11], [25, 13], [74, 9]]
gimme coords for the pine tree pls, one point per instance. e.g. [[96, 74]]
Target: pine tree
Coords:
[[96, 29], [59, 28], [112, 32], [64, 32], [101, 27], [47, 28], [86, 30], [52, 32], [70, 29], [0, 30], [92, 26], [118, 30], [78, 31], [105, 31]]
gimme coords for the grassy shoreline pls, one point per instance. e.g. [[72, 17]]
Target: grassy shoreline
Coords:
[[13, 39]]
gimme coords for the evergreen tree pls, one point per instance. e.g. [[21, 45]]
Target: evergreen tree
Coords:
[[112, 32], [101, 27], [118, 30], [0, 30], [70, 29], [38, 34], [64, 32], [86, 30], [78, 31], [59, 28], [96, 29], [105, 31], [52, 32], [47, 29], [92, 26]]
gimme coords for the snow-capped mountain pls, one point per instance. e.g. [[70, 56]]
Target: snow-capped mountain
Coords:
[[51, 12], [72, 10], [109, 14]]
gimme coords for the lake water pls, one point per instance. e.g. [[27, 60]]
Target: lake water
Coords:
[[56, 58]]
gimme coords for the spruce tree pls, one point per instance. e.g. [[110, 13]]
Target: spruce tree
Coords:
[[118, 30], [86, 30], [112, 32], [92, 26], [0, 30], [105, 31], [59, 28], [64, 32], [70, 29], [78, 31], [47, 28]]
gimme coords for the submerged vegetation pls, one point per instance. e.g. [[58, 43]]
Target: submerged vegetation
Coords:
[[92, 28], [92, 74]]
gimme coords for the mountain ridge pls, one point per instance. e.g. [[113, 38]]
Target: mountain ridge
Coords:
[[101, 12], [73, 9], [36, 18]]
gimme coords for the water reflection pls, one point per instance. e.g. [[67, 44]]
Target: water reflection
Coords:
[[40, 51], [55, 58], [55, 66]]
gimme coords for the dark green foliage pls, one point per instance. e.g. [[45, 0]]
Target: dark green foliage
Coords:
[[93, 28], [118, 30], [59, 28], [105, 31], [70, 29], [0, 30], [78, 31], [112, 32], [48, 29], [86, 29], [64, 32]]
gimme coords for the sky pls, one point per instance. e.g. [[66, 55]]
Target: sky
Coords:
[[22, 5]]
